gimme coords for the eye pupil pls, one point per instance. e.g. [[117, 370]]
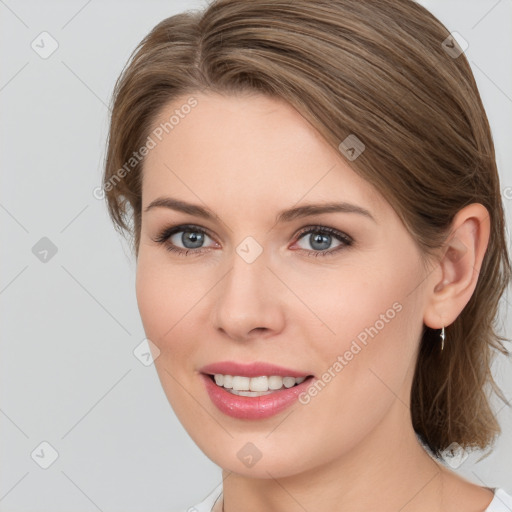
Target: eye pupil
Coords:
[[319, 239], [192, 237]]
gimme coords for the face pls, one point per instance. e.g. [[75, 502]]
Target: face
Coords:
[[336, 295]]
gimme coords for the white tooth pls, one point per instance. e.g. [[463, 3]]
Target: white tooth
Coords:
[[259, 384], [275, 382], [241, 383], [288, 382], [256, 385]]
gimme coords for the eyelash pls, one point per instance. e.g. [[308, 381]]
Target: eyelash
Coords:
[[166, 233]]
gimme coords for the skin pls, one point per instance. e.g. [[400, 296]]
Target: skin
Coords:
[[352, 447]]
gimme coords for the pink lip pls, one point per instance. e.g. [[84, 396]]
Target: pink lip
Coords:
[[253, 408], [250, 370]]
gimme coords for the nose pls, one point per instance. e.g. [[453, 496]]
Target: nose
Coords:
[[247, 303]]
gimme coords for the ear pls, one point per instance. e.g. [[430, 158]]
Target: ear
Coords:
[[453, 282]]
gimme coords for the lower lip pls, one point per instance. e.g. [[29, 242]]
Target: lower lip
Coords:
[[253, 407]]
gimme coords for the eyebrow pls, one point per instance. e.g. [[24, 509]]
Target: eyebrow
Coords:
[[283, 216]]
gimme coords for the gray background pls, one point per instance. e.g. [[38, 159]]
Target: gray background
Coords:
[[69, 325]]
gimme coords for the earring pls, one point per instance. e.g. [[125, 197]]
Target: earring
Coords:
[[442, 339]]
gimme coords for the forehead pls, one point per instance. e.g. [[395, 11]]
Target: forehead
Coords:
[[247, 148]]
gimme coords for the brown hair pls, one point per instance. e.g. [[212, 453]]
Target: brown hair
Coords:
[[383, 71]]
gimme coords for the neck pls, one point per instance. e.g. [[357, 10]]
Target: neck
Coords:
[[388, 471]]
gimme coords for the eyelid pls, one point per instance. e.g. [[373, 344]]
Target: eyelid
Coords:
[[325, 229], [166, 233]]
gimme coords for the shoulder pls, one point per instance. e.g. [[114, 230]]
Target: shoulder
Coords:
[[207, 503], [502, 501]]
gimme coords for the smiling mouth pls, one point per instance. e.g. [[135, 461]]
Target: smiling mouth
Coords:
[[255, 386]]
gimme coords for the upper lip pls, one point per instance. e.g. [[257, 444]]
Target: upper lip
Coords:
[[256, 369]]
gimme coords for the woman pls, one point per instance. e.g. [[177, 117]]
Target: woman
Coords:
[[314, 205]]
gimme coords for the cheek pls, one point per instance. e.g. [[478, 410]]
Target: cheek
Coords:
[[372, 324], [166, 296], [363, 303], [152, 300], [166, 311], [366, 363]]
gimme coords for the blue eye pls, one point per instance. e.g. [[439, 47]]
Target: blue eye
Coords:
[[321, 237], [193, 237]]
